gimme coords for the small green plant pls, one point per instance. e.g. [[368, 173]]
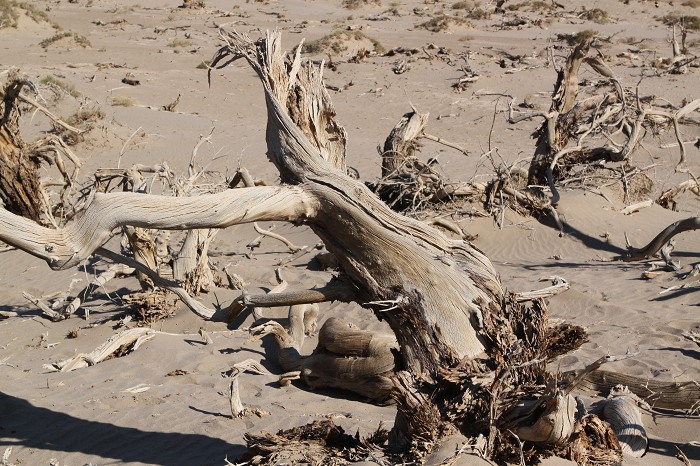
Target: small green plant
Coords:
[[443, 23], [64, 86], [336, 42], [690, 22], [123, 101], [77, 38], [204, 65]]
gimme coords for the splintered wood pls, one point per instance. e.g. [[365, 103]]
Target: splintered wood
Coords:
[[120, 344]]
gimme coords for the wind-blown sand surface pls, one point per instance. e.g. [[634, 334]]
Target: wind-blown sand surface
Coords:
[[127, 410]]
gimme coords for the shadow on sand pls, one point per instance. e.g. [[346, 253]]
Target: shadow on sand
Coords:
[[22, 423]]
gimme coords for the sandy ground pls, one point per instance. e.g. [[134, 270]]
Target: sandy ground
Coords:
[[126, 410]]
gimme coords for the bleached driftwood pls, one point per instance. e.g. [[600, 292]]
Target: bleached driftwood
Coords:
[[688, 224], [345, 357], [133, 338], [630, 209], [664, 395], [559, 285], [620, 410]]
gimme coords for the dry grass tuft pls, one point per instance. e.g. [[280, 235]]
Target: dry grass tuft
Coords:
[[357, 4], [62, 85], [82, 41], [596, 15], [123, 101], [690, 22], [85, 117], [443, 23], [532, 5], [10, 11], [177, 42], [337, 42]]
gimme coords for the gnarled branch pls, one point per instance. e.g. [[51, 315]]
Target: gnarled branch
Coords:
[[66, 247]]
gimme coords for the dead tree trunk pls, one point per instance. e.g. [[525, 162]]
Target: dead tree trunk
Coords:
[[20, 187], [443, 299]]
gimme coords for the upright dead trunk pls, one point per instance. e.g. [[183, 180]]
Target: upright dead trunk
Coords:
[[20, 187], [431, 290], [550, 137]]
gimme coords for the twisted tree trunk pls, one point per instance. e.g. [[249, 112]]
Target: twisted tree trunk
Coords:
[[442, 298]]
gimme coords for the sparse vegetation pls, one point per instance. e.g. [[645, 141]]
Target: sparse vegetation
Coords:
[[85, 117], [204, 65], [336, 42], [468, 5], [478, 13], [68, 88], [8, 14], [443, 23], [82, 41], [10, 11], [357, 4], [123, 101], [692, 3], [532, 5], [596, 15], [177, 42], [578, 37], [37, 15], [690, 22]]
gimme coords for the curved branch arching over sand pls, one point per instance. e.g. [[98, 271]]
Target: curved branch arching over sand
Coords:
[[66, 247]]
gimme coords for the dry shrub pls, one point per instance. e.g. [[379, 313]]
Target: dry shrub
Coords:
[[443, 23], [532, 5], [340, 41], [123, 101], [357, 4], [596, 15], [578, 37], [62, 85], [464, 5], [689, 22], [478, 13], [82, 41]]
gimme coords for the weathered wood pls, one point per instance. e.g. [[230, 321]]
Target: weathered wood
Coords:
[[365, 366], [664, 395], [133, 337], [551, 140], [625, 418], [20, 186], [402, 142], [688, 224]]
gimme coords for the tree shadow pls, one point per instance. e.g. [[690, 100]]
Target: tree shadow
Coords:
[[666, 448], [592, 242], [22, 423]]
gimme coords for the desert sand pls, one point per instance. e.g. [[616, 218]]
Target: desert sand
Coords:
[[128, 410]]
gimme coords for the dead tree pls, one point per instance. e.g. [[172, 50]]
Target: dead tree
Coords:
[[21, 189], [470, 356]]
